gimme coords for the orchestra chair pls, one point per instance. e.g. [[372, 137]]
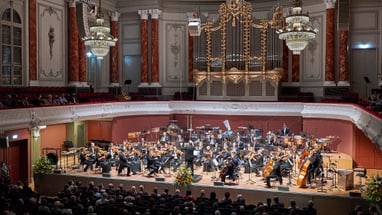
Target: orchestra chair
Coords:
[[360, 173]]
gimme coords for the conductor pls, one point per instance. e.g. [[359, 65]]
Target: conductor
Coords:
[[189, 156]]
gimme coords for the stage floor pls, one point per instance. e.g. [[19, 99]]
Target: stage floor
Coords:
[[246, 180]]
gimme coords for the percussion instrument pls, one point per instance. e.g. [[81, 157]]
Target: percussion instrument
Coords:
[[299, 140], [323, 141]]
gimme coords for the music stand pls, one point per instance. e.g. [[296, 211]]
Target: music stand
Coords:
[[250, 172], [215, 164], [322, 183]]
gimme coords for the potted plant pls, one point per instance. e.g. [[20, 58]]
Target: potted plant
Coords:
[[41, 167], [372, 192]]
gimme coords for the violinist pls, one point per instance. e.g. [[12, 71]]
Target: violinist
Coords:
[[152, 164], [86, 159], [123, 163], [270, 138], [176, 159], [275, 173]]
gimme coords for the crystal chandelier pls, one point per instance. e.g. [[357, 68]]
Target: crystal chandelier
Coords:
[[100, 40], [297, 31]]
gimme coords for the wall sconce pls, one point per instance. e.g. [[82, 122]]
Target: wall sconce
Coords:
[[194, 24]]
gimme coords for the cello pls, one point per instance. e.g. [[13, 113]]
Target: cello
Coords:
[[268, 168]]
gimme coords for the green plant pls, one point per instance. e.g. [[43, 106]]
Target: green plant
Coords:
[[373, 191], [42, 166]]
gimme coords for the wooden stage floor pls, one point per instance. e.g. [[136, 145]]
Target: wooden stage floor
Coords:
[[246, 180]]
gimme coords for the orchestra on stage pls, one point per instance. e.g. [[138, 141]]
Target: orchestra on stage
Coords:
[[225, 154]]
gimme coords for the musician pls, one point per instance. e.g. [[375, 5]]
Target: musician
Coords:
[[219, 136], [316, 164], [175, 154], [123, 163], [257, 161], [285, 131], [92, 148], [164, 138], [179, 140], [228, 170], [152, 163], [86, 159], [236, 159], [276, 173], [270, 138]]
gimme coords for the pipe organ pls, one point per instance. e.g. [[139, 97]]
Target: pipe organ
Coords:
[[237, 57]]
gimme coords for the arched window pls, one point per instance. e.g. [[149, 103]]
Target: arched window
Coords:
[[11, 48]]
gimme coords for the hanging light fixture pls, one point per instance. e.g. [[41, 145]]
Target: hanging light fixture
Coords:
[[99, 40], [298, 30]]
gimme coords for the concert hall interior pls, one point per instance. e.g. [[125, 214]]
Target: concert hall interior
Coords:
[[262, 99]]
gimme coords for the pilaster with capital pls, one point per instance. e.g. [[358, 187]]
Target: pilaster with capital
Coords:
[[295, 68], [144, 45], [285, 65], [32, 40], [343, 58], [82, 61], [330, 40], [114, 71], [190, 58], [73, 43], [155, 45]]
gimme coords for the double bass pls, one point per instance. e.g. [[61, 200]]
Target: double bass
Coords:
[[303, 176]]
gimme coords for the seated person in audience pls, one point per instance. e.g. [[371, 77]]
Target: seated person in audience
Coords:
[[25, 102], [62, 99], [56, 100], [8, 102], [72, 98]]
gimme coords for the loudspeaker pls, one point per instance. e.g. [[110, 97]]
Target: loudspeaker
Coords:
[[68, 144], [106, 174], [159, 179], [4, 142], [82, 20], [283, 188], [218, 183], [128, 82], [355, 194]]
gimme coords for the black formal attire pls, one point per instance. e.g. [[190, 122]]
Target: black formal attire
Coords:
[[229, 170], [123, 163], [315, 166], [152, 165], [285, 132], [276, 173], [189, 157]]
